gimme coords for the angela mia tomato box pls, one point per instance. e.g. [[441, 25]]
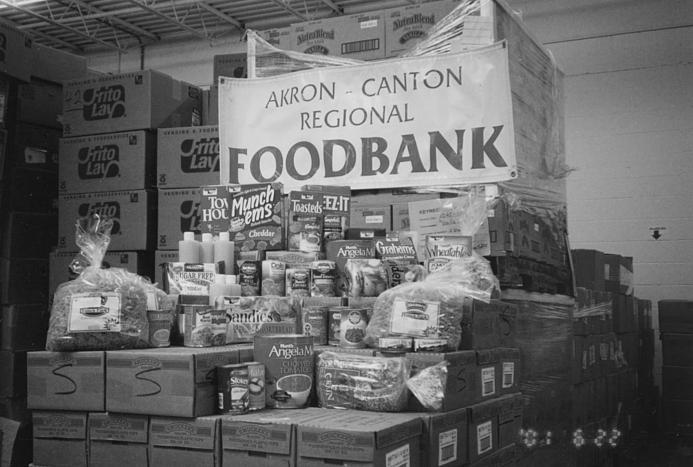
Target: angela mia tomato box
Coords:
[[251, 213]]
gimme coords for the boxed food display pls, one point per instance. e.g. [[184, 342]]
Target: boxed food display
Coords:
[[178, 212], [66, 380], [371, 217], [408, 25], [130, 101], [444, 438], [22, 327], [176, 442], [39, 102], [33, 146], [108, 162], [117, 439], [131, 211], [60, 439], [187, 156], [278, 37], [175, 381]]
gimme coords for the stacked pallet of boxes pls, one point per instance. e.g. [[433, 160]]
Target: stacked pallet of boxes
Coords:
[[30, 92]]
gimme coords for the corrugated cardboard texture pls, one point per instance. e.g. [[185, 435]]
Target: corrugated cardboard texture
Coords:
[[187, 156]]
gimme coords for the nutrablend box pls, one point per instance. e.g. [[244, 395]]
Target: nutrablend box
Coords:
[[187, 156], [117, 439], [408, 25], [131, 212], [178, 212], [130, 101], [114, 161]]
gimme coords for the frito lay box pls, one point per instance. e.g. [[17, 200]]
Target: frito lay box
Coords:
[[442, 249], [336, 201], [187, 156], [305, 221], [251, 213], [340, 251]]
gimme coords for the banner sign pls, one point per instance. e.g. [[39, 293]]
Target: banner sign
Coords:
[[411, 122]]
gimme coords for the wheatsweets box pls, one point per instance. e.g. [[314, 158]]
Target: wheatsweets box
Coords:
[[108, 162], [139, 100], [187, 156]]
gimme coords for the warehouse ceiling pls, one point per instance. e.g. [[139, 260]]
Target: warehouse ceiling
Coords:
[[80, 26]]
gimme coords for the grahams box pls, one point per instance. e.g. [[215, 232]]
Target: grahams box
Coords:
[[66, 380], [117, 439], [174, 381], [131, 212], [130, 101], [60, 439], [187, 156], [178, 212], [176, 442], [115, 161]]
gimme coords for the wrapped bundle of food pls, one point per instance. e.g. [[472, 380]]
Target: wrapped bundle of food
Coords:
[[365, 277], [347, 381], [102, 309], [433, 307], [247, 317]]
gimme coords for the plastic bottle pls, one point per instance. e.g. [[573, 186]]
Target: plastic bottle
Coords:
[[219, 288], [234, 286], [189, 249], [223, 252], [206, 249]]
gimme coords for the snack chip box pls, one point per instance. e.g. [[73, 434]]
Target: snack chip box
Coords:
[[60, 439], [145, 99], [178, 442], [187, 156], [360, 437], [117, 439], [173, 381], [108, 162], [66, 380], [131, 211], [179, 211]]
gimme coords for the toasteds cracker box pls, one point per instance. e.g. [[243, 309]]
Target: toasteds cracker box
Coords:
[[336, 202], [251, 213], [305, 221], [340, 251], [442, 249], [187, 156]]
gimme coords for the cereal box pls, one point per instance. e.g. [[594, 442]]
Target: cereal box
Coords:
[[442, 249], [305, 221]]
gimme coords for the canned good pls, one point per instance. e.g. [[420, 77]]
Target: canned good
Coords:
[[256, 386], [159, 328], [323, 279], [198, 325], [314, 323], [352, 327], [233, 392], [334, 316]]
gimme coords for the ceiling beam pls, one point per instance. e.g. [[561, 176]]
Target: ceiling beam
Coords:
[[282, 4], [151, 9], [26, 11], [127, 25], [337, 9], [221, 15], [55, 40]]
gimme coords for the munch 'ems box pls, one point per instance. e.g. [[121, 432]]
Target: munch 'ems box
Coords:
[[130, 101], [115, 161], [187, 156]]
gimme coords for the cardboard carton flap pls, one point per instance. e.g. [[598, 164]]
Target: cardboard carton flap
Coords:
[[188, 433], [118, 427], [64, 425]]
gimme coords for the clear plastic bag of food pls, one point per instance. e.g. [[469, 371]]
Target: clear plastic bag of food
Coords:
[[365, 277], [102, 309], [432, 308], [348, 381], [428, 385]]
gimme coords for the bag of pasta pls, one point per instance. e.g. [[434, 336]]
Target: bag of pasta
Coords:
[[102, 309]]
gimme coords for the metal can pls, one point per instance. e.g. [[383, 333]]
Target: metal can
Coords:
[[159, 328], [334, 316], [233, 392], [256, 386], [198, 325], [352, 327], [314, 323]]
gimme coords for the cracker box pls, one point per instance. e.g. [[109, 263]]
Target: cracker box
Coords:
[[187, 156], [442, 249], [305, 221], [336, 209]]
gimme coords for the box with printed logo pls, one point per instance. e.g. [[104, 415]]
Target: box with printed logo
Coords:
[[371, 217], [181, 442], [132, 212], [408, 25], [60, 439], [278, 37], [178, 212], [444, 440], [509, 375], [488, 373], [33, 146], [66, 380], [187, 156], [175, 381], [139, 100], [360, 438], [117, 439], [483, 429], [109, 162], [16, 52]]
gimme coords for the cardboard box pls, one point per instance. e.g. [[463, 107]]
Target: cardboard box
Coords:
[[187, 157], [509, 370], [588, 269], [33, 146], [481, 324], [618, 274], [13, 370], [16, 53], [60, 439], [263, 438], [278, 37], [483, 429], [408, 25], [507, 457], [178, 212], [28, 235], [23, 327], [23, 281], [134, 226], [507, 319], [488, 373], [176, 442], [31, 190], [160, 258], [230, 65], [39, 102], [624, 314], [444, 440], [211, 107], [509, 419], [676, 349], [116, 439], [130, 101], [371, 217], [56, 65], [676, 316], [66, 380], [174, 381], [108, 162], [360, 437]]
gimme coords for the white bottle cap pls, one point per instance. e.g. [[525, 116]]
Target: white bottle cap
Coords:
[[206, 237], [224, 236], [188, 236]]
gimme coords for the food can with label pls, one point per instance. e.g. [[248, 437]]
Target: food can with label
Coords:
[[314, 323], [198, 325], [159, 328], [352, 327], [233, 393], [298, 281], [256, 386]]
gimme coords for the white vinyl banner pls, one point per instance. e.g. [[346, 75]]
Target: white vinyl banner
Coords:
[[412, 122]]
